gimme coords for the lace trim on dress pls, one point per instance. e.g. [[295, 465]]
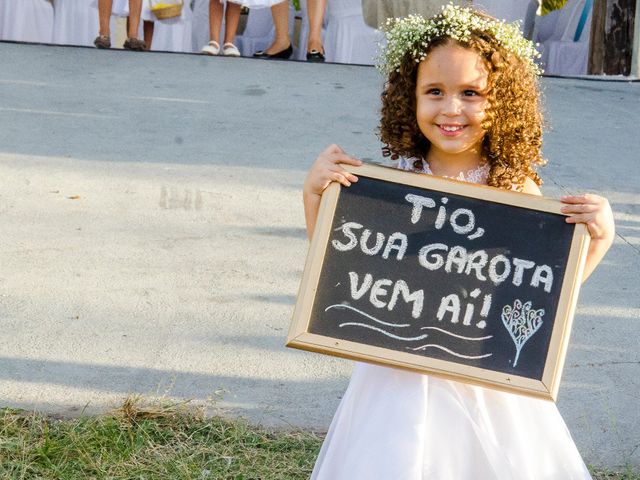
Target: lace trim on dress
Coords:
[[419, 165]]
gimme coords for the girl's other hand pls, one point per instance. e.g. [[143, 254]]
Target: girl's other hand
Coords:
[[327, 169], [592, 210], [595, 212]]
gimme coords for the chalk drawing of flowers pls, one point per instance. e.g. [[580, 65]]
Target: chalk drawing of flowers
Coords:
[[521, 321]]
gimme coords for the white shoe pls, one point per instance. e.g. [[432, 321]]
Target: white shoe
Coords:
[[212, 49], [230, 50]]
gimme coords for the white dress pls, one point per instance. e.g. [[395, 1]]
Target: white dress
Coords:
[[398, 425], [348, 39], [26, 20], [172, 34], [259, 3], [75, 22]]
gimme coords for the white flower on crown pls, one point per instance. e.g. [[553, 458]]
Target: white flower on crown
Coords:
[[414, 34]]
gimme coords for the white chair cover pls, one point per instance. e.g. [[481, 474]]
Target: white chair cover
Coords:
[[545, 27], [75, 22], [528, 26], [561, 55], [259, 31], [26, 20], [348, 39]]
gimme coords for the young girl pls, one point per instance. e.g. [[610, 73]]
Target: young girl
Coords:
[[232, 18], [461, 100]]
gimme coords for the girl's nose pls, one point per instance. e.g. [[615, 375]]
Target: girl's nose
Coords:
[[452, 106]]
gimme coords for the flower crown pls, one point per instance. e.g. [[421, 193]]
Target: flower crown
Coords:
[[414, 34]]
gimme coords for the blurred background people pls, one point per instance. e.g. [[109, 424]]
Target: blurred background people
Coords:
[[281, 46]]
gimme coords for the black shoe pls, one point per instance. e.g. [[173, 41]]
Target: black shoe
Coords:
[[282, 54], [315, 56]]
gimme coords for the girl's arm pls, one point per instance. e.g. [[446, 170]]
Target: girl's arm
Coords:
[[596, 213], [325, 169]]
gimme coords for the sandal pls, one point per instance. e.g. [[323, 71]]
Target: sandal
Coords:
[[212, 49], [134, 44], [102, 41], [230, 50]]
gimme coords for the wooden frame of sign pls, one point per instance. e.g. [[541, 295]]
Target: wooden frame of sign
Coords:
[[461, 281]]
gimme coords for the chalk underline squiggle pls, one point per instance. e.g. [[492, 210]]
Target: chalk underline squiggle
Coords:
[[364, 325], [470, 357], [349, 307], [473, 339]]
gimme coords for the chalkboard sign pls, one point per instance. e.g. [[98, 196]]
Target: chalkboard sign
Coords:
[[443, 277]]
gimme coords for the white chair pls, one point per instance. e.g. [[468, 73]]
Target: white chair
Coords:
[[26, 20], [562, 52], [259, 31], [348, 39], [529, 24]]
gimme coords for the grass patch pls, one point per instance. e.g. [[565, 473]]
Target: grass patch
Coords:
[[149, 442], [161, 441], [628, 473]]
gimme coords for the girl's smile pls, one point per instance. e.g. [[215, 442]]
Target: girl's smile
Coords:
[[450, 105], [451, 130]]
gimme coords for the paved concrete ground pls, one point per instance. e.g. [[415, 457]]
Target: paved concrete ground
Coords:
[[152, 234]]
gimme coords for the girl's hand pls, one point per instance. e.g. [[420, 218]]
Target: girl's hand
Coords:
[[327, 169], [592, 210], [595, 212]]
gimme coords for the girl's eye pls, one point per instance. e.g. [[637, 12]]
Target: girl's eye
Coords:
[[470, 93], [433, 91]]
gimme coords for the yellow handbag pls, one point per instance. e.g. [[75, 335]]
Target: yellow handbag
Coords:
[[164, 9]]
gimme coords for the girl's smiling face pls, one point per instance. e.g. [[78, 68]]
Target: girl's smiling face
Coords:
[[451, 90]]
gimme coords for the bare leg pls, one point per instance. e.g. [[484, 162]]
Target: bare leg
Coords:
[[135, 10], [104, 15], [232, 18], [216, 9], [280, 13], [315, 10], [147, 28]]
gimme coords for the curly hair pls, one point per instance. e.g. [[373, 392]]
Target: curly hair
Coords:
[[513, 117]]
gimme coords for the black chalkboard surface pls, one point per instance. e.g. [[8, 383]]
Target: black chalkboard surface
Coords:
[[442, 277]]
